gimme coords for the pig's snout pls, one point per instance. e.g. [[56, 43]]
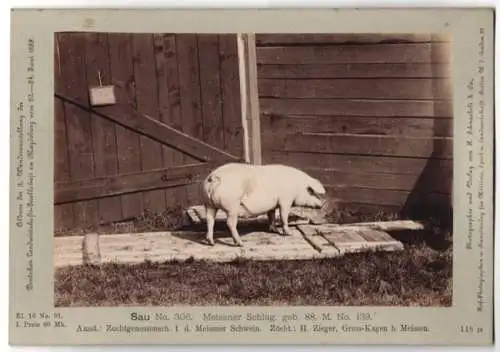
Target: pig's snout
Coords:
[[317, 196], [321, 202]]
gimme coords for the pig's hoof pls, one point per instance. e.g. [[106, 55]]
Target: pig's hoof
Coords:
[[239, 244], [273, 229], [210, 242]]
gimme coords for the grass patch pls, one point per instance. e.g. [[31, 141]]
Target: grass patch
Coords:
[[420, 276]]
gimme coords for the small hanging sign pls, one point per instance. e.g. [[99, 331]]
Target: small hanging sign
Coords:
[[102, 95]]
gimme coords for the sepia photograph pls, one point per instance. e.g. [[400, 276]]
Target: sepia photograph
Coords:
[[252, 169]]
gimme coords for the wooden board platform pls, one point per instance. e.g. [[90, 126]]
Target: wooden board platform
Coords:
[[306, 242]]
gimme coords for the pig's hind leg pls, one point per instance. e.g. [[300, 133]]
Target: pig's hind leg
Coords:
[[284, 212], [232, 223], [210, 214]]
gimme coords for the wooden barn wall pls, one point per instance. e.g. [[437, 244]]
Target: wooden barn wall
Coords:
[[369, 115], [187, 81]]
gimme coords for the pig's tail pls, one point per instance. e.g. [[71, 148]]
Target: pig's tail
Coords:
[[214, 182]]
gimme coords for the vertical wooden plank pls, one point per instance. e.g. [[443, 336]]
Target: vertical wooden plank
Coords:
[[252, 98], [169, 103], [63, 213], [147, 103], [443, 55], [127, 142], [231, 94], [103, 131], [72, 57], [249, 97], [210, 88], [189, 79], [414, 206]]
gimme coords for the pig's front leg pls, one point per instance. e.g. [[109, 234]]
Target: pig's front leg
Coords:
[[284, 211], [271, 215], [210, 214], [232, 223]]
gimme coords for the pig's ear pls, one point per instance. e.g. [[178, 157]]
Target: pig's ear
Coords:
[[313, 192], [316, 188], [310, 191]]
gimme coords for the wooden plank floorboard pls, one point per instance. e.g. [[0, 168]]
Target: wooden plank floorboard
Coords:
[[305, 243]]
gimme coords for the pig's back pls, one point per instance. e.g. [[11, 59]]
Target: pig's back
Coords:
[[226, 184], [284, 176]]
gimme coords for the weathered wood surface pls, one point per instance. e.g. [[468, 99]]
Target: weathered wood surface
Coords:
[[369, 115], [191, 110], [394, 126], [357, 107], [109, 186], [147, 103], [230, 95], [127, 141], [305, 242], [189, 80], [318, 242], [364, 163], [91, 251], [169, 107], [251, 97], [98, 70], [346, 38], [162, 133], [72, 63], [382, 197], [350, 70], [356, 144], [382, 181], [211, 99], [353, 240], [67, 251], [346, 88], [396, 225], [380, 53], [63, 214]]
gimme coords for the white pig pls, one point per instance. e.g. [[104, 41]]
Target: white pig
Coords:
[[246, 190]]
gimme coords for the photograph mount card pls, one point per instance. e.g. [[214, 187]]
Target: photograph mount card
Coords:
[[252, 176]]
